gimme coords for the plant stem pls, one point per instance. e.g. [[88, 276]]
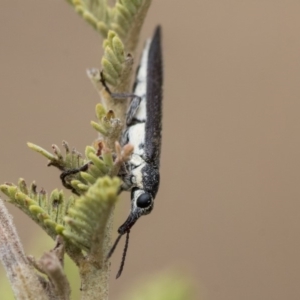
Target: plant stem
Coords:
[[21, 274], [95, 269]]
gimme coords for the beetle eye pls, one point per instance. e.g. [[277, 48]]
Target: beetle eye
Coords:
[[144, 200]]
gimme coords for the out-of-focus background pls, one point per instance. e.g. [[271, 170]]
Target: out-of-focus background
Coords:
[[228, 211]]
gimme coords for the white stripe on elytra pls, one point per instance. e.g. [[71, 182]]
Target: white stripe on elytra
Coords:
[[141, 86], [136, 132]]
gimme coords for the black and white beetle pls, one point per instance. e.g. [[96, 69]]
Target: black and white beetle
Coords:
[[140, 174], [143, 131]]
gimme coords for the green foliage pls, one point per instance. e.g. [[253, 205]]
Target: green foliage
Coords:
[[125, 17], [80, 222], [108, 126], [88, 218], [44, 210], [71, 160], [113, 59]]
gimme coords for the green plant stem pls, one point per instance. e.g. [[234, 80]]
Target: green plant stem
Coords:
[[94, 274]]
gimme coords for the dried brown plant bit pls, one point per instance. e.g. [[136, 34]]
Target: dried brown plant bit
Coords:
[[110, 115], [127, 151], [99, 148]]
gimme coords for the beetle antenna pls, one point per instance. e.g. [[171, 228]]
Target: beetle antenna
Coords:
[[124, 255], [112, 249]]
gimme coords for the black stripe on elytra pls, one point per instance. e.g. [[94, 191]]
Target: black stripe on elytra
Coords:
[[154, 100]]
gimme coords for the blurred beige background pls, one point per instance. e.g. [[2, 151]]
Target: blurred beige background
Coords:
[[228, 211]]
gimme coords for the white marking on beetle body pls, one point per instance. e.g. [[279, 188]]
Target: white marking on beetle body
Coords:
[[138, 177], [141, 85], [136, 160], [136, 137], [136, 132]]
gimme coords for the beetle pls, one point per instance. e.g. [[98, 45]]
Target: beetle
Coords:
[[140, 174], [143, 132]]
